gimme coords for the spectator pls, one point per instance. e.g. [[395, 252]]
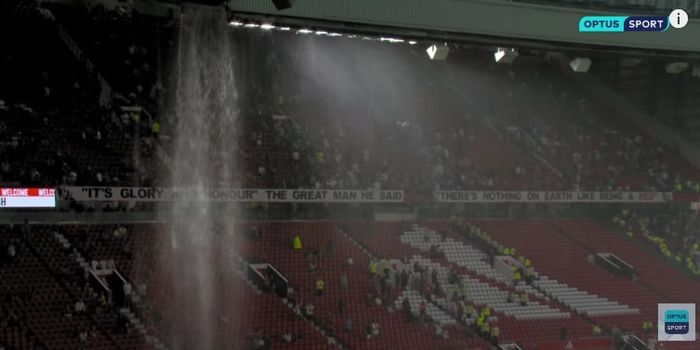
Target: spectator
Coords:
[[524, 299], [155, 129], [297, 310], [286, 337], [341, 306], [11, 252], [406, 306], [344, 282], [68, 314], [297, 242], [79, 307], [373, 267], [320, 286], [312, 266], [372, 330], [309, 310], [128, 290]]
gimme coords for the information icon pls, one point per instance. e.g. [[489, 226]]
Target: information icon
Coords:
[[678, 18]]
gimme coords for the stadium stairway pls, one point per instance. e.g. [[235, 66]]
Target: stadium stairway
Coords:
[[244, 312], [132, 318], [45, 301], [653, 271], [312, 324], [67, 259], [654, 274]]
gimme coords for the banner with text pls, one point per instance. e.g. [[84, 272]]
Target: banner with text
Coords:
[[159, 194], [550, 197]]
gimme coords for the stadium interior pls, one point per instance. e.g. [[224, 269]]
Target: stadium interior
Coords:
[[225, 178]]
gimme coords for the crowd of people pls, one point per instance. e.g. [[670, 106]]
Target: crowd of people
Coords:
[[522, 272], [284, 142], [673, 232]]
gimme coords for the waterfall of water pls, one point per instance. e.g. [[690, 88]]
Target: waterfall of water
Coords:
[[204, 120]]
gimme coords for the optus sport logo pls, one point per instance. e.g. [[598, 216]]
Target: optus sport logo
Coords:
[[676, 322], [677, 19]]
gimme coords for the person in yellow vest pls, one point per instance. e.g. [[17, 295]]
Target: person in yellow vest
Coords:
[[596, 330], [524, 299], [486, 330], [297, 242], [321, 157], [495, 333], [464, 290], [470, 311], [320, 286], [528, 263], [678, 187], [373, 266], [517, 276], [480, 323], [529, 275], [155, 128]]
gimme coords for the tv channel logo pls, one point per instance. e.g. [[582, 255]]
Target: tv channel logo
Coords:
[[611, 24], [676, 322]]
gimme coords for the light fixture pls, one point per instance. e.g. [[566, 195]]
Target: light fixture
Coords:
[[505, 55], [580, 64], [441, 50], [438, 52], [391, 40], [676, 67]]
